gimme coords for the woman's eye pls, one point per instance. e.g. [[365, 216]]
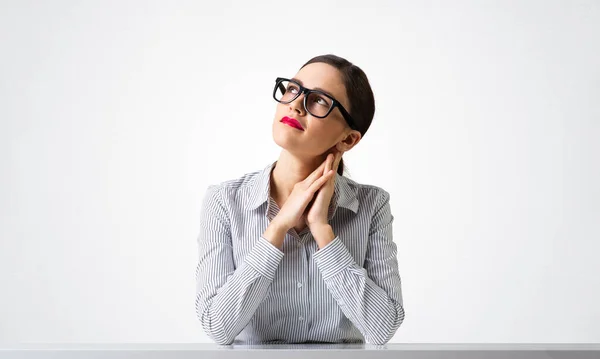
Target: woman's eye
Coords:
[[321, 101]]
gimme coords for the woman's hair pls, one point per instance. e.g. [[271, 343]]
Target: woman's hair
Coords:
[[358, 90]]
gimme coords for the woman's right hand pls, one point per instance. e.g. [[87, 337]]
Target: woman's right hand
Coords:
[[304, 191]]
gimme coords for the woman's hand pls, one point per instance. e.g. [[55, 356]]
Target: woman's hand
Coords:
[[319, 209], [294, 208]]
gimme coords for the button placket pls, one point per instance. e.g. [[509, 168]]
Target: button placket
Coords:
[[303, 295]]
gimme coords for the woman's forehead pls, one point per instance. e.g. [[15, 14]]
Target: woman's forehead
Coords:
[[325, 77]]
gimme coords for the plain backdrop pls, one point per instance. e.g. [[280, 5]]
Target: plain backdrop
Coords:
[[115, 116]]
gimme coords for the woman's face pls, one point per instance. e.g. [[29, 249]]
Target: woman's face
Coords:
[[320, 134]]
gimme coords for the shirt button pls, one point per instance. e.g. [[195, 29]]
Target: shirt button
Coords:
[[299, 285], [301, 318]]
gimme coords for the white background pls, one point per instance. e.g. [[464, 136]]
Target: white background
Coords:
[[116, 115]]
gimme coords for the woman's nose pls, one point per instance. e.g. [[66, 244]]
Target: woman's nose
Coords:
[[298, 104]]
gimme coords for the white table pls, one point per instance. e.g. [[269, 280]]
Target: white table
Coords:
[[292, 351]]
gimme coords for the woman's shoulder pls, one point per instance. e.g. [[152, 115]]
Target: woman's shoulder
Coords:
[[243, 180], [365, 190], [242, 185], [361, 197]]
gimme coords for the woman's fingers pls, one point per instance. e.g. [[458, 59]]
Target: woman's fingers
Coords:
[[304, 192], [318, 172], [314, 187], [327, 166]]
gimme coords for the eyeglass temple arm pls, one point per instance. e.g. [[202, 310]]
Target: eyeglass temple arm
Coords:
[[347, 116]]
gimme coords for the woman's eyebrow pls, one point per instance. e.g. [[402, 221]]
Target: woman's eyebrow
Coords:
[[315, 88]]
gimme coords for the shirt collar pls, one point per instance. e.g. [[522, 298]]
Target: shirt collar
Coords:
[[344, 194]]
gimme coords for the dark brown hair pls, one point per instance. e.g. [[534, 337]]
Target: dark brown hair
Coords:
[[358, 90]]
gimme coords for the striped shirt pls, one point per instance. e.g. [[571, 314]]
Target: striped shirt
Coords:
[[248, 291]]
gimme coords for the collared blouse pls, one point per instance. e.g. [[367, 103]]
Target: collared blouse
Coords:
[[248, 291]]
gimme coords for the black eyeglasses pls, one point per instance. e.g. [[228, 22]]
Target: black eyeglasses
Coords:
[[316, 102]]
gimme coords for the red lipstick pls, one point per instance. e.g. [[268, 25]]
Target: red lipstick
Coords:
[[292, 122]]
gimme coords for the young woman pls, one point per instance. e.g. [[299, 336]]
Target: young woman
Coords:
[[297, 252]]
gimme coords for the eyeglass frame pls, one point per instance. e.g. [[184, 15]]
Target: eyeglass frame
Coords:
[[306, 91]]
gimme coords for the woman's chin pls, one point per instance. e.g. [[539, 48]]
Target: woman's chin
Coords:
[[286, 142], [287, 139]]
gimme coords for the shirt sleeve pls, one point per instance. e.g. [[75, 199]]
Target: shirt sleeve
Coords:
[[227, 297], [370, 297]]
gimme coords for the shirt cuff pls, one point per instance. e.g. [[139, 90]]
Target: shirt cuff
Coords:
[[333, 258], [264, 258]]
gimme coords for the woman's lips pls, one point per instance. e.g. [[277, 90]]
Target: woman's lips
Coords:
[[292, 122]]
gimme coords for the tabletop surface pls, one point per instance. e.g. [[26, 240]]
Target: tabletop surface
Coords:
[[318, 346], [292, 351]]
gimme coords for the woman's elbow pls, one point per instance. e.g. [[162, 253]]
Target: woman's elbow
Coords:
[[223, 340], [213, 329], [217, 333], [381, 337]]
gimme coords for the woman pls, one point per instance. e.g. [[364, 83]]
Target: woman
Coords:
[[297, 252]]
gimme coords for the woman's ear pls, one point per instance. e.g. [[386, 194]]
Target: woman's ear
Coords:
[[351, 140]]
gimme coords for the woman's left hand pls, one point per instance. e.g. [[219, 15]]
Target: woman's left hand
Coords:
[[318, 211]]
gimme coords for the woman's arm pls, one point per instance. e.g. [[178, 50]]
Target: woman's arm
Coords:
[[371, 297], [227, 298]]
